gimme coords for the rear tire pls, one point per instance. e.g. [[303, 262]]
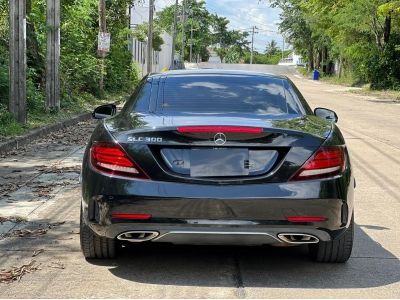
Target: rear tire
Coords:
[[337, 251], [94, 246]]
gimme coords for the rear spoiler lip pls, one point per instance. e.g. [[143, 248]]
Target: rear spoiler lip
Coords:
[[141, 131], [317, 130], [220, 129]]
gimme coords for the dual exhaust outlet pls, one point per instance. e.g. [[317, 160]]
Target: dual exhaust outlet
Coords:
[[298, 238], [288, 238], [138, 236]]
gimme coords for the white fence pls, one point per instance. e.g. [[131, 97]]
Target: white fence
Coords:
[[161, 59]]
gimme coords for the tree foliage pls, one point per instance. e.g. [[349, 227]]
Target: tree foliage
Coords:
[[361, 36], [80, 64], [272, 48], [141, 33], [4, 28], [208, 29]]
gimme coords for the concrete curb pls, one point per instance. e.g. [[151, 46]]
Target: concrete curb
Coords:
[[35, 134]]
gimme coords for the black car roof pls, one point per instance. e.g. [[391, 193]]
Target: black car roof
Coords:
[[216, 72]]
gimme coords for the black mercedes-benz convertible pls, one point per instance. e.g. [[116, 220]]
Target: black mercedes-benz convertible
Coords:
[[216, 157]]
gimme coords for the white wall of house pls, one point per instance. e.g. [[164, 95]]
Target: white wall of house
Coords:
[[292, 60]]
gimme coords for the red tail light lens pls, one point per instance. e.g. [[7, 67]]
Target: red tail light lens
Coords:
[[326, 162], [306, 219], [111, 159], [216, 129], [132, 216]]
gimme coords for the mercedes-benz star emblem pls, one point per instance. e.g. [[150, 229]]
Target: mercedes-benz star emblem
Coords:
[[220, 139]]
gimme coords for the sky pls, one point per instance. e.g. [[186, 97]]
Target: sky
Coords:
[[243, 14]]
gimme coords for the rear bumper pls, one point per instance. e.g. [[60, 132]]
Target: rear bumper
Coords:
[[212, 213], [177, 220], [216, 234]]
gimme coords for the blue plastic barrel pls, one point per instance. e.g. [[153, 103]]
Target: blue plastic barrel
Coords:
[[315, 75]]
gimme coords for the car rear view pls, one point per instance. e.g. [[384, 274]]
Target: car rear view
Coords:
[[218, 158]]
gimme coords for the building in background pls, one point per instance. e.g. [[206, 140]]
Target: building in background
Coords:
[[161, 59], [292, 60]]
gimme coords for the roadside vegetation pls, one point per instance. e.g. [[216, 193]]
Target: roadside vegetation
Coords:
[[267, 58], [356, 42], [80, 64]]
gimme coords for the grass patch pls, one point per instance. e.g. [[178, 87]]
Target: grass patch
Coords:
[[345, 80], [38, 117], [304, 71], [383, 95], [349, 81]]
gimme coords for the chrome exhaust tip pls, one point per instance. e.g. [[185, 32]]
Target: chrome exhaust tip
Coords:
[[298, 238], [138, 236]]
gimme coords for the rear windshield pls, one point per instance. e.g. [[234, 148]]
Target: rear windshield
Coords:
[[227, 94]]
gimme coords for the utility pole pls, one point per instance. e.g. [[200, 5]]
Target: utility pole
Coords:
[[17, 44], [283, 47], [174, 36], [183, 31], [191, 35], [150, 38], [103, 29], [252, 44], [53, 55]]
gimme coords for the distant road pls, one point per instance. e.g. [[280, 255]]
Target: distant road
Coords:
[[274, 69]]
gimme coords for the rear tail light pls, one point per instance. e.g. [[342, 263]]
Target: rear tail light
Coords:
[[111, 159], [132, 216], [326, 162], [217, 129], [306, 219]]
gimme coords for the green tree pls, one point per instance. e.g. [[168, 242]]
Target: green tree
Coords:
[[221, 34], [221, 52], [361, 35], [297, 28], [208, 29], [198, 18], [272, 48], [141, 32], [79, 60]]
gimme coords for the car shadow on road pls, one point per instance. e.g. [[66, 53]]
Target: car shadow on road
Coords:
[[370, 266]]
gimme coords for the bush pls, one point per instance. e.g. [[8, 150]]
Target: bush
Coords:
[[8, 125], [384, 67], [35, 96], [233, 56], [263, 59], [3, 82]]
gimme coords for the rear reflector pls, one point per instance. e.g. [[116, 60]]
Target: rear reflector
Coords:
[[326, 162], [132, 216], [223, 129], [111, 159], [306, 219]]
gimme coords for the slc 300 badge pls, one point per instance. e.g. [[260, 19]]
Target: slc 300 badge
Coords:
[[134, 139]]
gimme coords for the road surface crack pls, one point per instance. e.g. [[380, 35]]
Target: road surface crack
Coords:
[[237, 277]]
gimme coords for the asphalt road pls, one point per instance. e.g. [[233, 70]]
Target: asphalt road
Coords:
[[39, 183]]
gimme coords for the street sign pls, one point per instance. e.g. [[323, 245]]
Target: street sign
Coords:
[[104, 42]]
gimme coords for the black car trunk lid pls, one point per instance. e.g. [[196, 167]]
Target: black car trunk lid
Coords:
[[223, 149]]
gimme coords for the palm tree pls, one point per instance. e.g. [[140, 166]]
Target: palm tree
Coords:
[[272, 48]]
